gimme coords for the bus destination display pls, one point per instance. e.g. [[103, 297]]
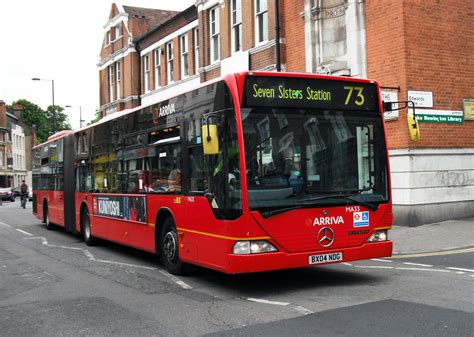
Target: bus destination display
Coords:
[[300, 92]]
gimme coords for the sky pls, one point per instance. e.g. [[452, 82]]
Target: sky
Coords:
[[61, 41]]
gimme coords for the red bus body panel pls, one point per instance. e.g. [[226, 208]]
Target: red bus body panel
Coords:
[[55, 202]]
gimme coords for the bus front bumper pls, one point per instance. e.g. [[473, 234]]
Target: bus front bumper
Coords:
[[280, 260]]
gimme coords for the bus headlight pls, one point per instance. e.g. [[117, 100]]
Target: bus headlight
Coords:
[[253, 247], [379, 236]]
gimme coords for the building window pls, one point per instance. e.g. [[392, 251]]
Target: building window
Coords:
[[111, 82], [236, 19], [169, 61], [261, 18], [196, 49], [118, 31], [157, 54], [108, 37], [214, 30], [118, 79], [184, 56], [146, 70]]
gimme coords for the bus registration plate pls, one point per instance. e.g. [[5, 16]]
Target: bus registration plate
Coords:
[[325, 258]]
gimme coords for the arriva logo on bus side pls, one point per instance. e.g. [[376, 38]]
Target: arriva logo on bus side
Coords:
[[325, 221], [163, 111]]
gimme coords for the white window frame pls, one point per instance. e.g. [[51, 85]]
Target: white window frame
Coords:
[[214, 34], [118, 31], [236, 24], [183, 41], [118, 79], [261, 21], [146, 73], [169, 62], [196, 49], [157, 67], [111, 82]]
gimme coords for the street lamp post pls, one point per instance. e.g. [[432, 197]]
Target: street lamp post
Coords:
[[80, 114], [52, 90]]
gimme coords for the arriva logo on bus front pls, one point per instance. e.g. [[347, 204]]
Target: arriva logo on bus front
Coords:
[[325, 221]]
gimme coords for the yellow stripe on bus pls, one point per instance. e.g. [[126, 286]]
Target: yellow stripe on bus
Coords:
[[222, 236]]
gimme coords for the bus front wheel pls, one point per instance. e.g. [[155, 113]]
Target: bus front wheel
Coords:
[[169, 248], [86, 228]]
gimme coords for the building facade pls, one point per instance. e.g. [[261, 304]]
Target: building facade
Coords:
[[418, 51], [6, 158]]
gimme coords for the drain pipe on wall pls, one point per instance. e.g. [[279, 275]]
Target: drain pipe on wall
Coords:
[[277, 35]]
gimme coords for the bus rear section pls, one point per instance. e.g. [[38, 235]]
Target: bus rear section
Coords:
[[53, 181]]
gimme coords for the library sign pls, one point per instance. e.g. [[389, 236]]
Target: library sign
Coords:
[[439, 116]]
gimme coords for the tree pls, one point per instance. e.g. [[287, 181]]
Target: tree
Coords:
[[34, 115], [97, 117]]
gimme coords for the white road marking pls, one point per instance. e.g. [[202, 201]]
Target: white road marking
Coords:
[[259, 300], [347, 264], [374, 267], [424, 269], [22, 231], [418, 264], [303, 310], [176, 280], [91, 257], [4, 224], [380, 260], [461, 269]]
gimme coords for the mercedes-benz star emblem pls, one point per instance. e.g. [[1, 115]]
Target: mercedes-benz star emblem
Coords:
[[325, 236]]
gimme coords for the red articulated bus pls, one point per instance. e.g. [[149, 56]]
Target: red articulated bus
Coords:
[[250, 172]]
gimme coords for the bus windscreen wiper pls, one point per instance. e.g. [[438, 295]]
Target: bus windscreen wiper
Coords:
[[369, 205], [305, 203], [282, 210]]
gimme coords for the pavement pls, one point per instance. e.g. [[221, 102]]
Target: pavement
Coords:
[[435, 237]]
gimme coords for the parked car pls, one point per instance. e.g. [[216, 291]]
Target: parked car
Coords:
[[16, 192], [7, 194]]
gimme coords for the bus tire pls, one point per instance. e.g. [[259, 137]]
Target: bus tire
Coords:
[[86, 228], [49, 225], [169, 248]]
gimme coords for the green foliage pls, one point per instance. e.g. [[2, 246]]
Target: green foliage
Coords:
[[33, 115], [96, 118]]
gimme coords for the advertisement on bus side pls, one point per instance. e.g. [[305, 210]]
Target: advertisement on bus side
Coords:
[[132, 208]]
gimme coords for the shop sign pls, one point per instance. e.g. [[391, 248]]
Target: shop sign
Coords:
[[439, 116]]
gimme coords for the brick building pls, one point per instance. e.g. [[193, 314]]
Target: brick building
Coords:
[[15, 148], [416, 50]]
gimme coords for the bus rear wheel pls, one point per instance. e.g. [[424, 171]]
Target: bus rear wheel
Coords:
[[170, 248], [86, 229], [48, 223]]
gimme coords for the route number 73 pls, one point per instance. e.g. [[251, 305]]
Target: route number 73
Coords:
[[359, 96]]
